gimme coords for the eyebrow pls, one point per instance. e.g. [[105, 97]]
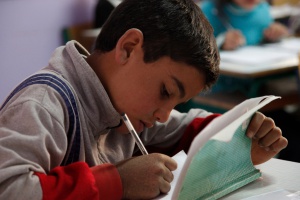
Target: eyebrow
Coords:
[[180, 86]]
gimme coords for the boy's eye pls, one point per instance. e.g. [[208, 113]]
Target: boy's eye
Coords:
[[164, 92]]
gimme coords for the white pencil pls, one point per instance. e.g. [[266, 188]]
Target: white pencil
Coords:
[[134, 134]]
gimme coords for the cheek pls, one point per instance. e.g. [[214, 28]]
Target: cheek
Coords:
[[140, 103], [145, 104]]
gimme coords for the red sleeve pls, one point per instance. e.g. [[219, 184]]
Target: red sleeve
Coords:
[[188, 136], [78, 181], [192, 131]]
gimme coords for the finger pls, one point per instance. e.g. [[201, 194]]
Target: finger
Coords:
[[236, 42], [240, 37], [280, 144], [168, 176], [255, 124], [237, 33], [242, 41], [268, 34], [270, 137], [269, 30], [267, 125], [231, 45], [165, 186], [170, 163], [237, 38]]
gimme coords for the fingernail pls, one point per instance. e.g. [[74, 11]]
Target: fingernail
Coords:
[[250, 134], [267, 148]]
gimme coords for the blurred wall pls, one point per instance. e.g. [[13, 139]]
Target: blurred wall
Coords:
[[29, 32]]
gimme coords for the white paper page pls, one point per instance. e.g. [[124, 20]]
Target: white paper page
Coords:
[[291, 45], [278, 194], [255, 55], [267, 54], [220, 128]]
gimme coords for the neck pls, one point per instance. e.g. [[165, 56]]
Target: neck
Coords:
[[103, 65]]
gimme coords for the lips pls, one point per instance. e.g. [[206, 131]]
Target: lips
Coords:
[[147, 124]]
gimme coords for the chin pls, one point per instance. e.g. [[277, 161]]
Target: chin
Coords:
[[124, 130], [250, 7], [139, 130], [251, 4]]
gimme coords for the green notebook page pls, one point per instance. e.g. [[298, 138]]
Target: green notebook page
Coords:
[[220, 168], [218, 161]]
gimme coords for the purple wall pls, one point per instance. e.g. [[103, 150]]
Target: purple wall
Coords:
[[29, 32]]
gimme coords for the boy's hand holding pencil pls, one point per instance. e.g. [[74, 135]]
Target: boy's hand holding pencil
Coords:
[[145, 177]]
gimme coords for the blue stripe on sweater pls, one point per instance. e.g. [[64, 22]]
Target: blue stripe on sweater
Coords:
[[72, 154]]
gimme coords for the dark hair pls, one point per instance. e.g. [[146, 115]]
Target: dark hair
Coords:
[[173, 28], [102, 12]]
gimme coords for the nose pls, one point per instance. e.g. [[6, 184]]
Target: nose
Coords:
[[162, 114]]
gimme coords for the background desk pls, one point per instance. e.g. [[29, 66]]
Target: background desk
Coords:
[[250, 80], [246, 71], [276, 174]]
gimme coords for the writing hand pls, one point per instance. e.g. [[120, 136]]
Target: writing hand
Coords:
[[267, 139], [145, 177], [233, 40]]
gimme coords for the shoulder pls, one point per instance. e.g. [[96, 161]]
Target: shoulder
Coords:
[[209, 10], [263, 10], [38, 95], [263, 6], [207, 6]]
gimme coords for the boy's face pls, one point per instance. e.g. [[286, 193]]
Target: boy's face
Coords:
[[147, 92]]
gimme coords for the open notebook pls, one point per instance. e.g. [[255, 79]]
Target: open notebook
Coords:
[[218, 161]]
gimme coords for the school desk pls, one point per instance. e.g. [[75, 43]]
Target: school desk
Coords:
[[277, 175], [252, 68], [261, 60]]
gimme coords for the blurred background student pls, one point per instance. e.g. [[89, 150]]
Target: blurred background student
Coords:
[[242, 22], [249, 22]]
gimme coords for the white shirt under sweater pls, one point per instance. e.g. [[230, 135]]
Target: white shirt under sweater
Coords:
[[34, 122]]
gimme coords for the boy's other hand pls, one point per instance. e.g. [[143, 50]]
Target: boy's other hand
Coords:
[[267, 139], [233, 40], [145, 177]]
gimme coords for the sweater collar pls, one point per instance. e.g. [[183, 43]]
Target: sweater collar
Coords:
[[92, 96]]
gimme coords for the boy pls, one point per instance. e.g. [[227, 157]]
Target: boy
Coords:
[[150, 56]]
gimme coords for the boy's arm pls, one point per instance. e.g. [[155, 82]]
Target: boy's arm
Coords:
[[78, 181], [30, 157], [192, 131]]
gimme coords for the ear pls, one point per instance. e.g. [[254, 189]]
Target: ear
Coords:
[[130, 40]]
